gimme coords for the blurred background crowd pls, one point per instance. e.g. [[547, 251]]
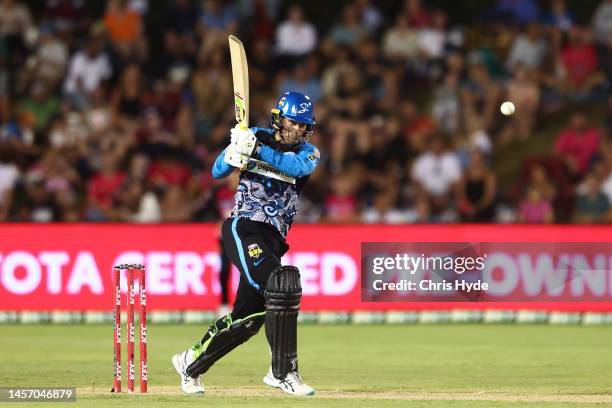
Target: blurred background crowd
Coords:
[[115, 110]]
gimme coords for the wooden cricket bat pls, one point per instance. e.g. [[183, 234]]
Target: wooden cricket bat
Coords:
[[240, 76]]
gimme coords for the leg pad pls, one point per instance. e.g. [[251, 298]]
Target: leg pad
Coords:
[[283, 294]]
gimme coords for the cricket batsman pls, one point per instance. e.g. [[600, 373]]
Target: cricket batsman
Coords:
[[276, 163]]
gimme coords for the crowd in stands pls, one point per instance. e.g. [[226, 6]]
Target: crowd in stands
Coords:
[[105, 116]]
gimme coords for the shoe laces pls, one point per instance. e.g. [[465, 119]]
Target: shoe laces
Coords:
[[296, 377], [193, 381], [197, 381]]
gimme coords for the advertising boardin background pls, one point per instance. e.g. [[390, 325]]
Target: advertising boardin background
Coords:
[[68, 267]]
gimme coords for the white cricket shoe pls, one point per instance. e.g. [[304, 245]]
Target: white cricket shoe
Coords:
[[189, 385], [291, 384]]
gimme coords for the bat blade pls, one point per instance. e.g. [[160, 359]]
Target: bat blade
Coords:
[[240, 76]]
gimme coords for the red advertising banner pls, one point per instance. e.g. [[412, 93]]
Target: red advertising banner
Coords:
[[486, 271], [69, 266]]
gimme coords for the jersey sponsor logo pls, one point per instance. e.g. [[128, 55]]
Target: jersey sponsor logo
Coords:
[[263, 168], [254, 250]]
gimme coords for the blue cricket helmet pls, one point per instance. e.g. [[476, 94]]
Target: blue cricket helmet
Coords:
[[296, 106]]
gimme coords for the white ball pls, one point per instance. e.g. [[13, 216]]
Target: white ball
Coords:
[[507, 108]]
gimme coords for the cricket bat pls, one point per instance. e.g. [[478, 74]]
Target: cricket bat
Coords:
[[240, 76]]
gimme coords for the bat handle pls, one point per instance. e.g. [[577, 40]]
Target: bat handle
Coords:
[[243, 126]]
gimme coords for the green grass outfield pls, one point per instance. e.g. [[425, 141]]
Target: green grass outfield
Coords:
[[451, 365]]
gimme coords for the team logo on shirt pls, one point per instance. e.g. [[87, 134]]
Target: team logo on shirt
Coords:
[[254, 251], [315, 155]]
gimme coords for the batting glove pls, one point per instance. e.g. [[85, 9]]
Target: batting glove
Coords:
[[244, 141], [235, 159]]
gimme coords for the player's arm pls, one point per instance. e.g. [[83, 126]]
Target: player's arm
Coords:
[[220, 168], [298, 164]]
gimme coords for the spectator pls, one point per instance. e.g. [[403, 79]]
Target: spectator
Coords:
[[418, 128], [348, 32], [261, 66], [175, 206], [175, 52], [124, 26], [41, 106], [602, 24], [381, 178], [474, 138], [152, 130], [263, 14], [384, 210], [480, 94], [218, 17], [15, 20], [48, 64], [341, 203], [377, 79], [517, 12], [445, 108], [559, 16], [580, 65], [401, 42], [348, 107], [39, 205], [135, 205], [539, 179], [304, 80], [217, 21], [433, 37], [9, 175], [103, 187], [371, 17], [67, 16], [212, 86], [477, 190], [88, 68], [168, 172], [578, 144], [139, 6], [181, 18], [535, 209], [417, 15], [295, 37], [593, 205], [127, 99], [436, 172], [528, 49], [524, 93]]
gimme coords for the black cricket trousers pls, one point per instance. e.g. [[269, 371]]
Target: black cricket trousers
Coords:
[[256, 249]]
